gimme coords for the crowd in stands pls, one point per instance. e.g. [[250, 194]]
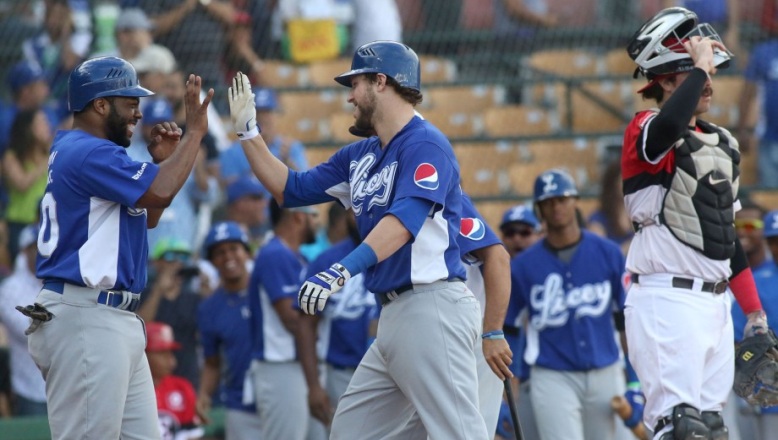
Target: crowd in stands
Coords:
[[202, 252]]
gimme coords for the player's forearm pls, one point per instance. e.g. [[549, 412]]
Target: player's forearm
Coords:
[[173, 173], [387, 237], [209, 378], [152, 217], [497, 284], [269, 169], [306, 349], [164, 23]]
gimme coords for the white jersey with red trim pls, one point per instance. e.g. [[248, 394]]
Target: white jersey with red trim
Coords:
[[654, 249]]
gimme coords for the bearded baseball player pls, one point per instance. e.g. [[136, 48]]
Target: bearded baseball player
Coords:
[[403, 186], [92, 252], [680, 178]]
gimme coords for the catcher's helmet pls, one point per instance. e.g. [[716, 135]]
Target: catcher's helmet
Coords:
[[657, 47], [393, 59], [223, 232], [102, 77], [554, 183], [159, 337]]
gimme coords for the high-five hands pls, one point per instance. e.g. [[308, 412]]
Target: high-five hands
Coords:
[[316, 289], [242, 109]]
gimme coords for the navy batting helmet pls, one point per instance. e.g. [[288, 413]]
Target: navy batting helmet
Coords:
[[393, 59], [554, 183], [102, 77], [224, 232]]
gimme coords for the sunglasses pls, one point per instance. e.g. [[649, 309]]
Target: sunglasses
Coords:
[[523, 232], [175, 256], [749, 224]]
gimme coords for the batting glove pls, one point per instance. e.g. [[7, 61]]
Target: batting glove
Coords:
[[637, 401], [242, 110], [756, 324], [316, 289]]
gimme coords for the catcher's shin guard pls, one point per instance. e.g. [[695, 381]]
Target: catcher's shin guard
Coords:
[[687, 424], [715, 423]]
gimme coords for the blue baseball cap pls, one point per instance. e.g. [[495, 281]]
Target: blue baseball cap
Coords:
[[223, 232], [520, 214], [156, 111], [23, 73], [245, 186], [771, 224], [265, 99]]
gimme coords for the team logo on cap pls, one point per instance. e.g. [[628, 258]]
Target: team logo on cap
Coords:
[[472, 228], [426, 176]]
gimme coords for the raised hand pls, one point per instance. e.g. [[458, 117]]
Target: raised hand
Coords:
[[196, 112], [164, 139], [242, 109]]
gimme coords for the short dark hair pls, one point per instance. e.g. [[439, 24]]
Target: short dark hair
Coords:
[[409, 95]]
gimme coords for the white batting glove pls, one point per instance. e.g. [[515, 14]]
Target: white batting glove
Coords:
[[242, 110], [316, 289], [756, 324]]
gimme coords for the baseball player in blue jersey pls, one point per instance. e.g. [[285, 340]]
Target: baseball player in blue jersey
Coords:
[[343, 330], [403, 186], [279, 270], [92, 252], [225, 333], [570, 283]]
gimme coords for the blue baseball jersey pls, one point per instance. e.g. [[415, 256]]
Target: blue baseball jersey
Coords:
[[345, 322], [418, 162], [223, 322], [91, 233], [766, 278], [474, 232], [570, 305], [278, 274]]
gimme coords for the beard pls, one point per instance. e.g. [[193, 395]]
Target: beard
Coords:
[[116, 128], [366, 111]]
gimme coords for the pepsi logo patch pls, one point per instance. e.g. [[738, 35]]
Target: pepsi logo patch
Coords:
[[426, 176], [472, 228]]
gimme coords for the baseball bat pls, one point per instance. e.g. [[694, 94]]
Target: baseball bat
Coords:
[[514, 412], [624, 410]]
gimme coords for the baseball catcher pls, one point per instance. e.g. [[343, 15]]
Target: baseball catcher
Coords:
[[756, 369]]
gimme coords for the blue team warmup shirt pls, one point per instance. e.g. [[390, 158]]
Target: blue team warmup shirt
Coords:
[[278, 273], [570, 305], [345, 322], [474, 232], [417, 162], [91, 233], [223, 321]]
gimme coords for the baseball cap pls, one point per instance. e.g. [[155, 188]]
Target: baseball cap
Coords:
[[154, 58], [520, 214], [245, 186], [771, 224], [227, 231], [28, 236], [157, 110], [23, 73], [133, 18], [265, 99], [159, 337], [170, 245]]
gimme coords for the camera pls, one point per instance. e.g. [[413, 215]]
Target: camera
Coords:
[[189, 271]]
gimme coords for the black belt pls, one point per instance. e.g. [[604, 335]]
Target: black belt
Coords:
[[387, 297], [717, 287], [112, 298]]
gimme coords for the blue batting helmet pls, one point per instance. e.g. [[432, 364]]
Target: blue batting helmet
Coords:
[[102, 77], [393, 59], [223, 232], [554, 183]]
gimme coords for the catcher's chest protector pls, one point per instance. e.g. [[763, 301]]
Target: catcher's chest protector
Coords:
[[698, 207]]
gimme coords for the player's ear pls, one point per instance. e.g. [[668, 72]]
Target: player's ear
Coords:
[[101, 105]]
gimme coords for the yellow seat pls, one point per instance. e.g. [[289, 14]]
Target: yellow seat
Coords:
[[339, 124], [588, 112], [454, 124], [280, 74], [562, 62], [469, 99], [618, 62], [304, 129], [519, 120], [767, 199], [725, 103], [317, 155], [579, 156], [316, 104], [484, 167], [435, 69]]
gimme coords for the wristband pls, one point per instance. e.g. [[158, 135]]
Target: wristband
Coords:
[[496, 334], [359, 259], [246, 135]]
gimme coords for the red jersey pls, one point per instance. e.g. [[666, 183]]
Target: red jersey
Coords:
[[176, 402]]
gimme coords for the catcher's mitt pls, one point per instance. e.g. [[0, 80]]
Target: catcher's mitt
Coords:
[[756, 369]]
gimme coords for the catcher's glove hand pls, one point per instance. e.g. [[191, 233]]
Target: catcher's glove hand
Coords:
[[756, 369]]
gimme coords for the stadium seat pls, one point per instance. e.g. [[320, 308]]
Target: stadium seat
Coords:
[[484, 167], [317, 155], [435, 69], [579, 156], [724, 109], [617, 62], [318, 104], [564, 63], [519, 121], [768, 199], [469, 99], [281, 74], [589, 99], [492, 211], [338, 128], [304, 129], [454, 124], [323, 73]]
